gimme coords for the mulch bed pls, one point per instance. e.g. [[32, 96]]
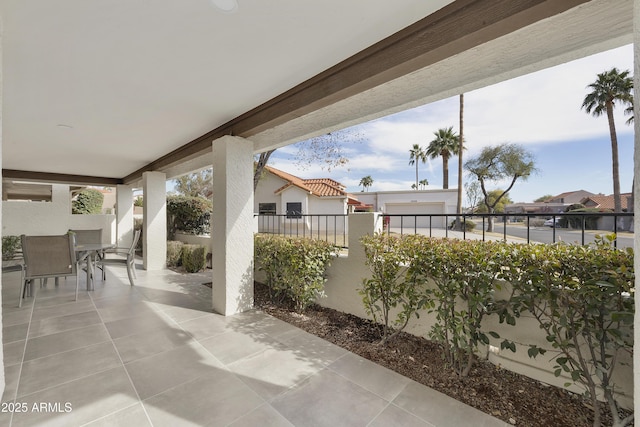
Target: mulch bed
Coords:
[[511, 397]]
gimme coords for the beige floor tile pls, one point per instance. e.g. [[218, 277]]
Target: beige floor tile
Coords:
[[58, 324], [392, 416], [264, 416], [133, 416], [65, 341], [134, 347]]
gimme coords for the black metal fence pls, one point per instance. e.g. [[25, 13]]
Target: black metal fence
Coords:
[[575, 228]]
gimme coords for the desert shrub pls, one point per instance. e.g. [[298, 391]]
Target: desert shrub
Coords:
[[295, 267], [191, 215], [10, 245], [468, 225], [174, 253], [194, 258], [536, 222], [389, 286], [88, 201]]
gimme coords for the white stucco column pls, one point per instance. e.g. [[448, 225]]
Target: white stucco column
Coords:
[[232, 225], [154, 225], [636, 203], [2, 380], [124, 215]]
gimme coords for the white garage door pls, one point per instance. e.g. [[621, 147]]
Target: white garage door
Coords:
[[410, 221]]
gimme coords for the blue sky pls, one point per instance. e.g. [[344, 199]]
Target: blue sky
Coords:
[[541, 111]]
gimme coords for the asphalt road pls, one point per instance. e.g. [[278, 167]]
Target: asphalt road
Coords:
[[546, 234]]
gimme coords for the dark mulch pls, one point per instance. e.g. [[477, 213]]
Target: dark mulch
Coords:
[[513, 398]]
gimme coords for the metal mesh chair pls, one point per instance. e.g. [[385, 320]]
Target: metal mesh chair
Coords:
[[48, 256], [129, 254]]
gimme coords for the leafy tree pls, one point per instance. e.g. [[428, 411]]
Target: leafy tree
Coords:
[[445, 144], [499, 163], [417, 155], [544, 198], [88, 201], [366, 182], [326, 149], [499, 206], [188, 214], [197, 184], [472, 190], [610, 87], [138, 201]]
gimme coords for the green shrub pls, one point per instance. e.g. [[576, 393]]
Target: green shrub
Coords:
[[389, 286], [583, 300], [190, 215], [590, 221], [88, 201], [10, 245], [294, 267], [137, 225], [468, 225], [194, 258], [174, 253]]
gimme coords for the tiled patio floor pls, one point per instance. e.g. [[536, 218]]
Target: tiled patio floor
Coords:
[[155, 355]]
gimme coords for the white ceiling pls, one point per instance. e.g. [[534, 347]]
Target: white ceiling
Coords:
[[102, 88]]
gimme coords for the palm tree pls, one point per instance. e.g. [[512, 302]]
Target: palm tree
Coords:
[[610, 87], [423, 183], [446, 144], [416, 155], [366, 182]]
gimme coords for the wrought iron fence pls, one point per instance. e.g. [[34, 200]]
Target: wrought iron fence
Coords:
[[330, 227], [578, 228]]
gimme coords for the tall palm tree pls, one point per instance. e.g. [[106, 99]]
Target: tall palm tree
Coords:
[[423, 183], [417, 155], [366, 182], [445, 145], [610, 87]]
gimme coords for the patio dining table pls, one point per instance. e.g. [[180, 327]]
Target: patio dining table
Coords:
[[89, 252]]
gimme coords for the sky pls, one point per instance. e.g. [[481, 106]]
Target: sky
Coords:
[[540, 111]]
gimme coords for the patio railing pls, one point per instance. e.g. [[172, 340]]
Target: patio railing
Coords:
[[575, 228]]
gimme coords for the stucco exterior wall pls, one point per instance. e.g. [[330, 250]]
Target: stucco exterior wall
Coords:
[[265, 192], [47, 218], [379, 199]]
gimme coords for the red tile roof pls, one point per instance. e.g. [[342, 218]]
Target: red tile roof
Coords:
[[604, 202], [320, 187]]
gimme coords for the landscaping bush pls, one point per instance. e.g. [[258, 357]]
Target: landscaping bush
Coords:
[[137, 225], [88, 201], [463, 273], [10, 245], [294, 266], [174, 253], [583, 299], [389, 285], [590, 221], [190, 215], [468, 225], [194, 258]]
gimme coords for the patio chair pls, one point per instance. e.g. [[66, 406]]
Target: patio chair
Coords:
[[83, 237], [129, 254], [48, 256]]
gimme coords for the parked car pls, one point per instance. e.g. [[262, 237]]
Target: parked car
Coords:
[[552, 222]]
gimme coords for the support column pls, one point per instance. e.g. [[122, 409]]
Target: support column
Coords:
[[2, 378], [232, 225], [636, 202], [154, 226], [124, 215]]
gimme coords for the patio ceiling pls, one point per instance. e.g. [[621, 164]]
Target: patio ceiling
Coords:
[[99, 91]]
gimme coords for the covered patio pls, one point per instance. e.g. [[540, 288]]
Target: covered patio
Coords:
[[130, 94], [154, 354]]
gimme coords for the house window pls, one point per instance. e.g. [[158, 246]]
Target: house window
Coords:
[[267, 208], [294, 210]]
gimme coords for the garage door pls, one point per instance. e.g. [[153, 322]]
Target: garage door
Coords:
[[410, 221]]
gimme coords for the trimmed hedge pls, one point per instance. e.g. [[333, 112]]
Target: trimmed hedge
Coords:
[[295, 267], [174, 253], [88, 201], [194, 258]]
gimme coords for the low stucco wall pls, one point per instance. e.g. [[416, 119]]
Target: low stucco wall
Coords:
[[194, 240], [55, 217], [344, 278]]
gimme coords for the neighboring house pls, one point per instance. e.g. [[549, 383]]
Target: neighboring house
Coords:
[[412, 202], [555, 204], [280, 193], [570, 197], [600, 201]]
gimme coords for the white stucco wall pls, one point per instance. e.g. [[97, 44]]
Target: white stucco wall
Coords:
[[46, 218], [379, 199], [265, 192]]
